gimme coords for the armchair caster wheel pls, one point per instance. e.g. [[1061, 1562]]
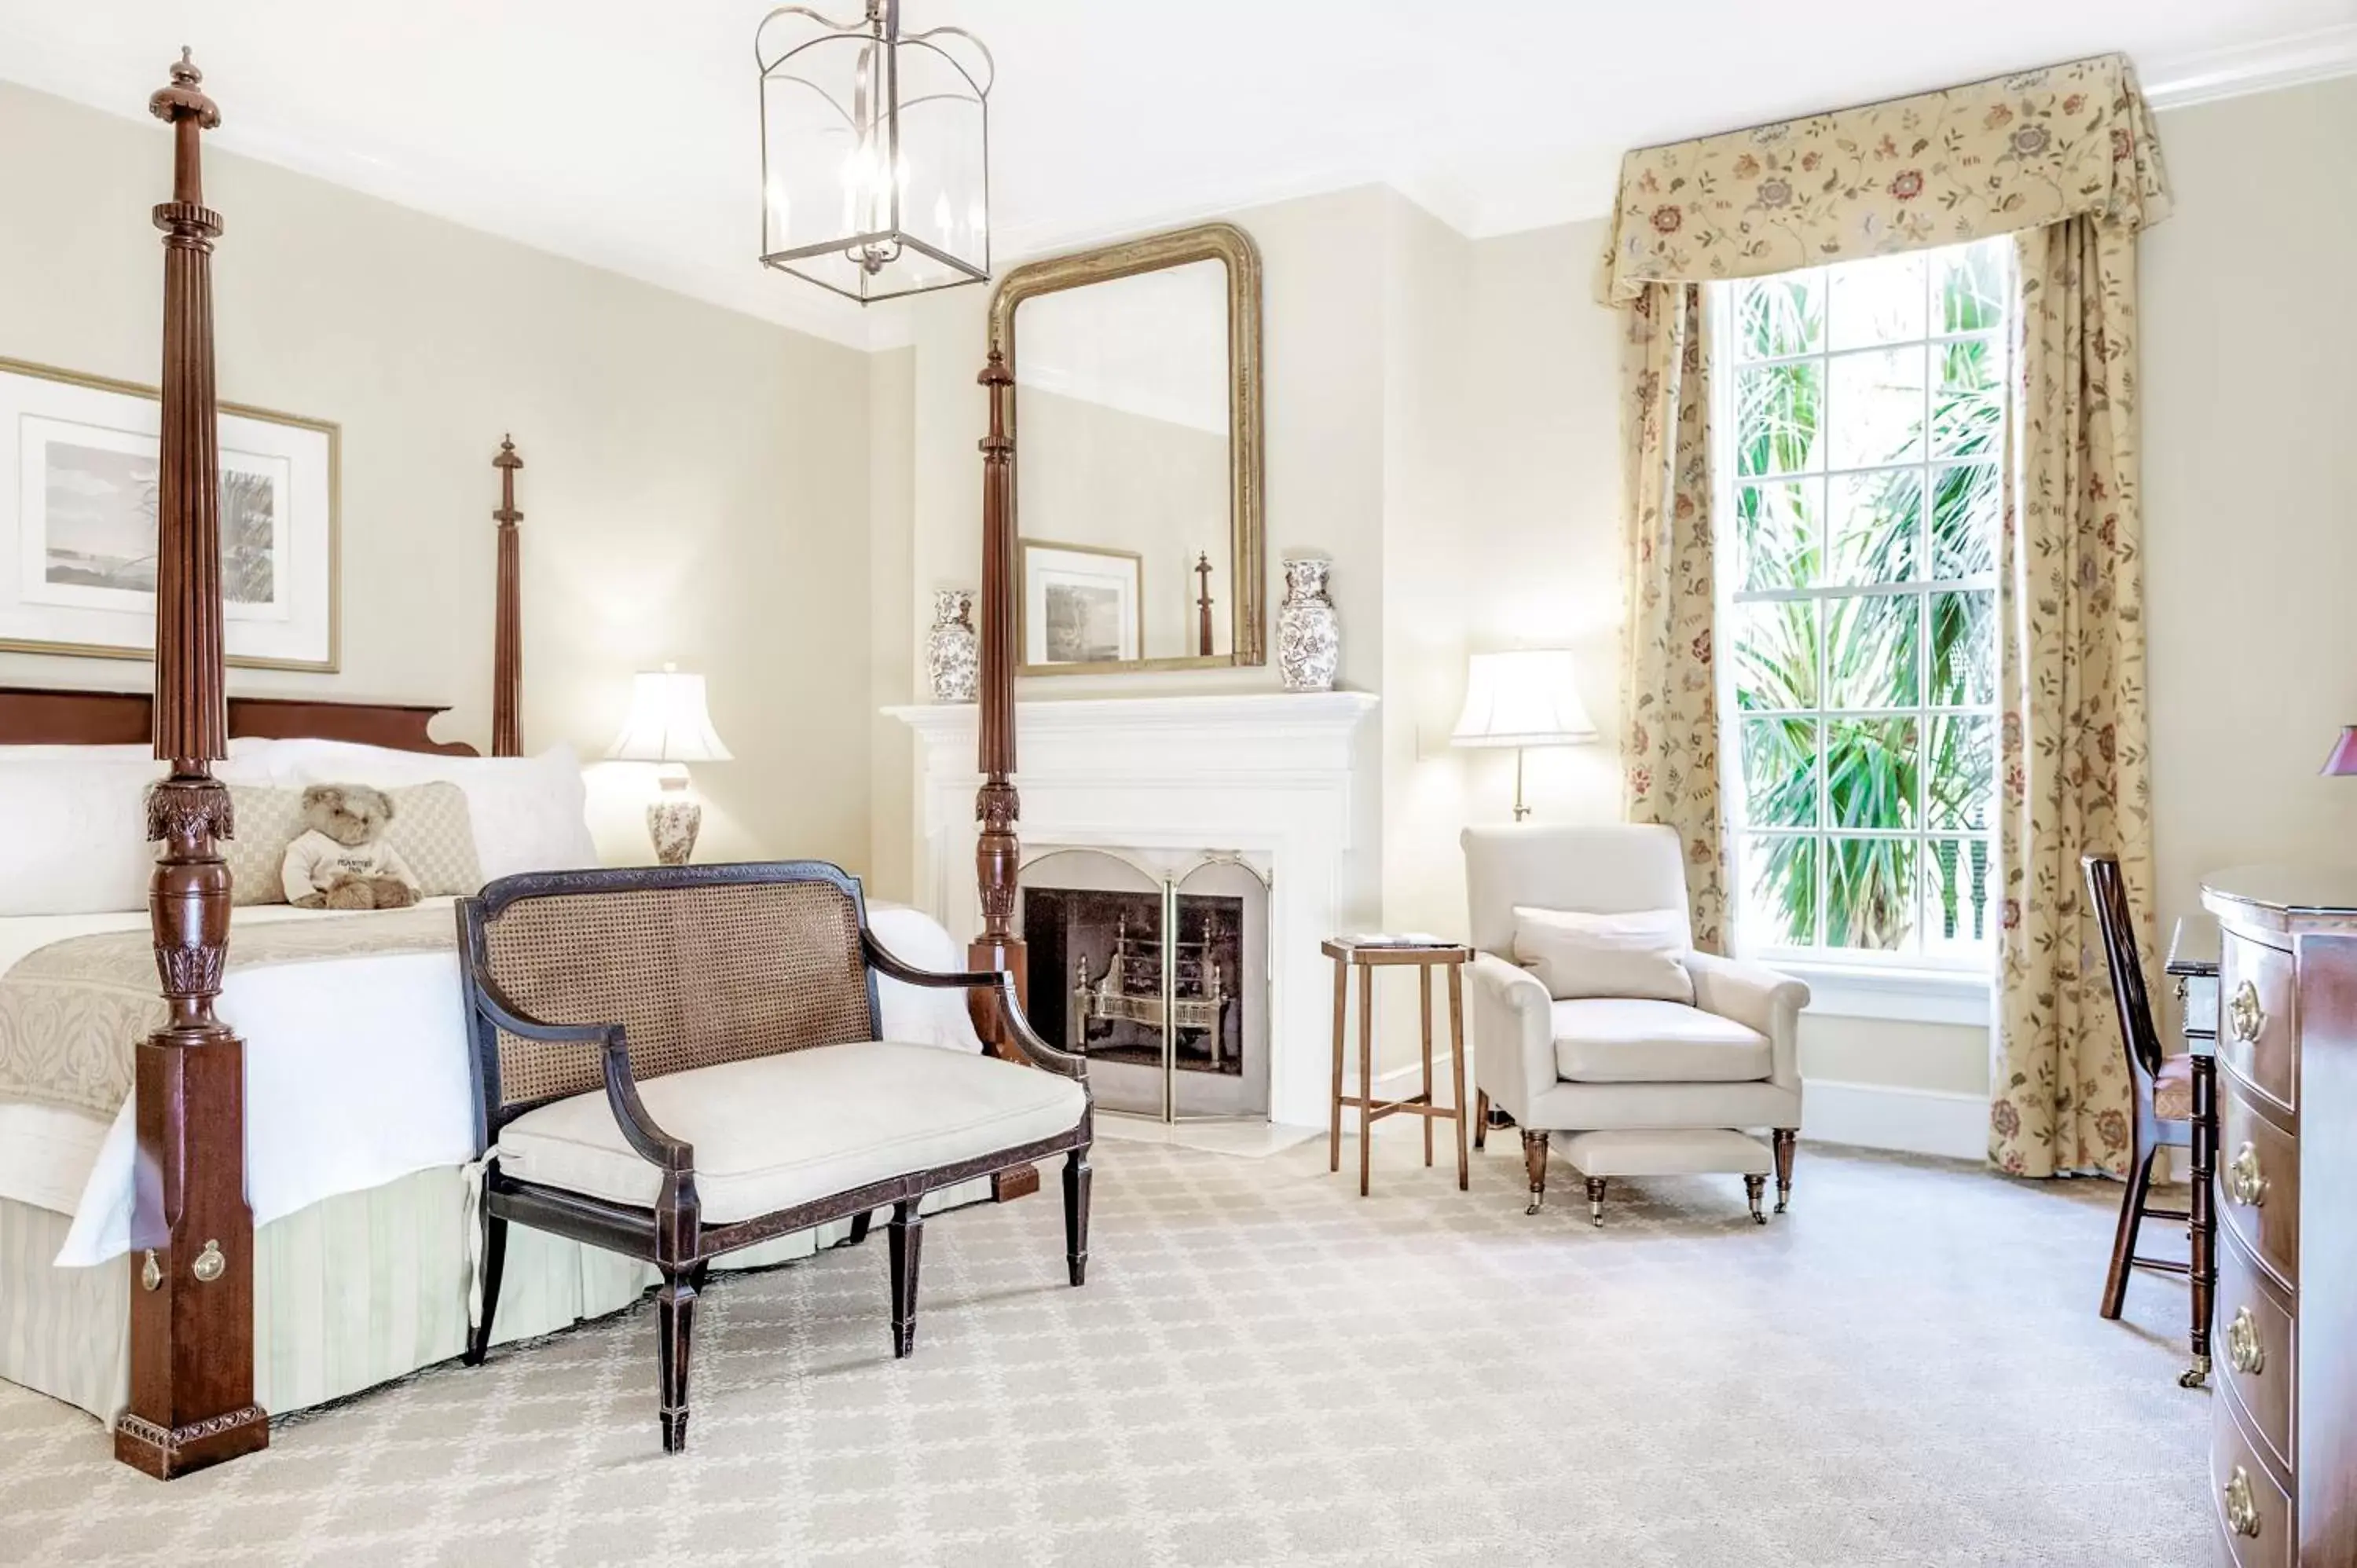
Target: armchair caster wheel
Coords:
[[1595, 1186], [2196, 1375], [1534, 1208]]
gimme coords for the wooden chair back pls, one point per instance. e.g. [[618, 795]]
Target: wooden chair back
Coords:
[[2108, 892], [700, 965]]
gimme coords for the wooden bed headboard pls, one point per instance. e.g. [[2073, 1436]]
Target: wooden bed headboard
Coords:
[[37, 715]]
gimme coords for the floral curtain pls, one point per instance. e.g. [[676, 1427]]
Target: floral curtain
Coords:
[[1669, 700], [2071, 673], [2066, 159], [1994, 157]]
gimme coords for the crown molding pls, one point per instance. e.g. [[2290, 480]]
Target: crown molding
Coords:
[[2245, 69]]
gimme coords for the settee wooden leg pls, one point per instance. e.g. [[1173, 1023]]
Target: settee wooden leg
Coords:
[[495, 1258], [1076, 1214], [675, 1326], [1786, 1138], [907, 1229], [859, 1224], [1753, 1188], [1481, 1118], [1596, 1184], [1535, 1154]]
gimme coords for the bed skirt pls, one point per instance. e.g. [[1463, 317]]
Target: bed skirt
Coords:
[[347, 1293]]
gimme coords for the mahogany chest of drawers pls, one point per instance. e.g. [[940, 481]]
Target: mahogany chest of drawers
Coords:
[[2283, 1461]]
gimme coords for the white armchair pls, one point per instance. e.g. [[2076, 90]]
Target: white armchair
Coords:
[[1593, 1064]]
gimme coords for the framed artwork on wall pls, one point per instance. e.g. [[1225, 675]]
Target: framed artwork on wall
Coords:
[[78, 490], [1081, 606]]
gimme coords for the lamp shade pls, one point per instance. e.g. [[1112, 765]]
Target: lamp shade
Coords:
[[2343, 760], [1525, 698], [667, 721]]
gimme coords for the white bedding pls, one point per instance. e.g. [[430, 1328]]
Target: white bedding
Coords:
[[306, 1137]]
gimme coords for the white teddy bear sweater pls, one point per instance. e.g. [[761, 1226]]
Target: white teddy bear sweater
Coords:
[[314, 861]]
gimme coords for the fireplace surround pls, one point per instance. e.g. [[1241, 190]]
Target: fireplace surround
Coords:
[[1285, 782]]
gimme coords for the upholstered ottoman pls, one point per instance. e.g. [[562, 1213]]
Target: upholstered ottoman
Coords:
[[1670, 1152]]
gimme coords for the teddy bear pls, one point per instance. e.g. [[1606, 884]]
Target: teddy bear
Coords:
[[341, 861]]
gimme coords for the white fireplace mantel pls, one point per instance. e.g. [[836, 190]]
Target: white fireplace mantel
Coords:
[[1285, 779]]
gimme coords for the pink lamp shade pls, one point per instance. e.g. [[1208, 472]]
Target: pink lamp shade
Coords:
[[2342, 763]]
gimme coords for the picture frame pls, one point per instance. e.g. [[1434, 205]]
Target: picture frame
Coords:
[[78, 503], [1081, 606]]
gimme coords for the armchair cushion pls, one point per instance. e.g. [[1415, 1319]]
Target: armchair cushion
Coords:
[[772, 1133], [1576, 953], [1639, 1040]]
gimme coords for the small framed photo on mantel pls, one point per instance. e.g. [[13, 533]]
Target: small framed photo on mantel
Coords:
[[79, 495], [1082, 606]]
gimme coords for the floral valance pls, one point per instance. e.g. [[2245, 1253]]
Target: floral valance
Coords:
[[2015, 152]]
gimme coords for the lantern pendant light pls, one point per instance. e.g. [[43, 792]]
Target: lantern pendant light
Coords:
[[875, 153]]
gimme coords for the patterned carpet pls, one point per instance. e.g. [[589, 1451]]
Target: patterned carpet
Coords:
[[1265, 1368]]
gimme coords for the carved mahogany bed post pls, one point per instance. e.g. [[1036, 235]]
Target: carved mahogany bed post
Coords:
[[192, 1233], [506, 643], [998, 853]]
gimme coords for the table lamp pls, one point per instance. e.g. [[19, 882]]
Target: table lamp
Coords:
[[1522, 699], [668, 725], [2342, 763]]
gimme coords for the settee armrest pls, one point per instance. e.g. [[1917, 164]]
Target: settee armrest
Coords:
[[1001, 985], [1756, 997], [639, 1127], [1513, 1033]]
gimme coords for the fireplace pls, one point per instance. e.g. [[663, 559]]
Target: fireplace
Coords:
[[1154, 966], [1288, 780]]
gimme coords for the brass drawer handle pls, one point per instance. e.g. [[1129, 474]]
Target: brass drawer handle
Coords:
[[2242, 1509], [2244, 1016], [2242, 1346], [2245, 1183], [210, 1264]]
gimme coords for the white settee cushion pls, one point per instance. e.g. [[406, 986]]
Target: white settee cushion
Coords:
[[1633, 1040], [775, 1131], [1576, 953]]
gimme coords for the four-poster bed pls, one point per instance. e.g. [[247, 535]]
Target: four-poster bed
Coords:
[[191, 1298]]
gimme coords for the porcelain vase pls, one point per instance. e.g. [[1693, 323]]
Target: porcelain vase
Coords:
[[1309, 633], [952, 652]]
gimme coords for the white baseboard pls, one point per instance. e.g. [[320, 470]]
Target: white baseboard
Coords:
[[1885, 1116]]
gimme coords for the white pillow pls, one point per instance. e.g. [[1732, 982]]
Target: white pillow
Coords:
[[77, 835], [1637, 954], [77, 825], [242, 751], [529, 813]]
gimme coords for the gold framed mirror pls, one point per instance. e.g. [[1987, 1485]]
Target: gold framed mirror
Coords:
[[1137, 423]]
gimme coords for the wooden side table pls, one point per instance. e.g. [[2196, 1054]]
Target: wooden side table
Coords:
[[1366, 960]]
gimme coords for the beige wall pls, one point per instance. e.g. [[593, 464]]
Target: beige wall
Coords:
[[2250, 481], [696, 489], [896, 666], [1444, 419]]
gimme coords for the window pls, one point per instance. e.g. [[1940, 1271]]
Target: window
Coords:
[[1864, 408]]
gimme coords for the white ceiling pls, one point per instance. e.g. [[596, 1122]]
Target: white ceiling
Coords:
[[622, 131]]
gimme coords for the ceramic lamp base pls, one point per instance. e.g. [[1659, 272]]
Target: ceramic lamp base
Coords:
[[672, 822]]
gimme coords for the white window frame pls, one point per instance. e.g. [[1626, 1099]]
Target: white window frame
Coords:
[[1915, 986]]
